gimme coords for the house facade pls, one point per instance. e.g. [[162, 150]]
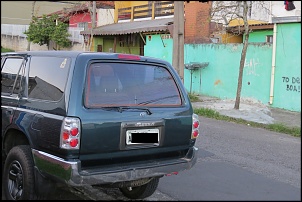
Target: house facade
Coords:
[[260, 17], [16, 17], [136, 19], [262, 82], [80, 15], [133, 20], [272, 69], [271, 74]]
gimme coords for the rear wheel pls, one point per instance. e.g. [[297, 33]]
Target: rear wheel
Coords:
[[141, 192], [18, 182]]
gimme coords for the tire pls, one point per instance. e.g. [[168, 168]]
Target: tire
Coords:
[[18, 176], [142, 191]]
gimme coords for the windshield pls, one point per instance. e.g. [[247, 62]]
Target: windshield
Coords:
[[130, 84]]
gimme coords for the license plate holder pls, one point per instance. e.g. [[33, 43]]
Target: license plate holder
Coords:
[[142, 136]]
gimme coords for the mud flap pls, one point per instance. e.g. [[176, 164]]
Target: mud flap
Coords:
[[43, 186]]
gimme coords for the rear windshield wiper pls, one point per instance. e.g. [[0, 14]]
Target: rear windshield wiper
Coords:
[[156, 100], [120, 109]]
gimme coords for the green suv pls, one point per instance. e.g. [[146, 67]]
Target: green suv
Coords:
[[91, 118]]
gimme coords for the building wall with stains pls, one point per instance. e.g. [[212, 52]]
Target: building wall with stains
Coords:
[[220, 77], [159, 46], [287, 91], [128, 43], [260, 36]]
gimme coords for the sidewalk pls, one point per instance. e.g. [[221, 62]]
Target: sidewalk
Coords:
[[250, 110]]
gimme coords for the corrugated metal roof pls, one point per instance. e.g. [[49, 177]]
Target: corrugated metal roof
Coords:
[[253, 24], [132, 27], [82, 7], [259, 26]]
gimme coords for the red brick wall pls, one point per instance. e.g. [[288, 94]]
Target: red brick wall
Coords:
[[197, 23]]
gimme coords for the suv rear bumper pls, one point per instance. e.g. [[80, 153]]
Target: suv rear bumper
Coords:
[[68, 171]]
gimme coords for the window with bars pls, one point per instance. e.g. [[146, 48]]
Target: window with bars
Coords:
[[83, 25], [269, 39]]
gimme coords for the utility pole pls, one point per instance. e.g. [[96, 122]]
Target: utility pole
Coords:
[[32, 15], [93, 14], [178, 38]]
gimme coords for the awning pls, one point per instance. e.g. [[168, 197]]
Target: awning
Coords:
[[157, 25]]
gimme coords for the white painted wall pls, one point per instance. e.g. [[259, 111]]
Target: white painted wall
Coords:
[[278, 9], [17, 43], [105, 17], [261, 10]]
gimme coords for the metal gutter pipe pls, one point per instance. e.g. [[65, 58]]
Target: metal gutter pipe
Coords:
[[271, 97]]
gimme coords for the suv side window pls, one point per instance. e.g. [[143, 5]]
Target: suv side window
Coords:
[[47, 77], [12, 74]]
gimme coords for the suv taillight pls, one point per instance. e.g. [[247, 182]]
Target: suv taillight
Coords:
[[195, 126], [70, 133]]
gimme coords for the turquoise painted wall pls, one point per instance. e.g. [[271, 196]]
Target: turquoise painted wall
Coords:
[[287, 91], [220, 77], [259, 36], [159, 48]]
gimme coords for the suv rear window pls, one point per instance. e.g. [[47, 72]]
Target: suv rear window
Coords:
[[130, 84]]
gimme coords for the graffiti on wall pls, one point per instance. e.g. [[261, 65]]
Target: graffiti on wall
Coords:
[[292, 83], [250, 66]]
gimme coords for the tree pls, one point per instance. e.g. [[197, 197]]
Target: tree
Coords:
[[89, 6], [60, 35], [92, 11], [224, 12], [48, 28]]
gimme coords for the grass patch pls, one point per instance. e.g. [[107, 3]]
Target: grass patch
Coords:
[[293, 131], [207, 113], [4, 50], [193, 98]]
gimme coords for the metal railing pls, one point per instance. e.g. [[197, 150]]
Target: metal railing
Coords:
[[75, 34], [156, 9], [14, 30], [18, 30]]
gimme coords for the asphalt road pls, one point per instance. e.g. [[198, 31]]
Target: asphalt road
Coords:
[[235, 162], [239, 162]]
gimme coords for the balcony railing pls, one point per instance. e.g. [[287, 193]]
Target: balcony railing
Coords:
[[153, 11]]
